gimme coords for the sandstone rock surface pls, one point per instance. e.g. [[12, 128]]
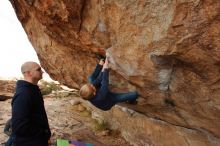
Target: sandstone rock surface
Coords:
[[168, 50], [7, 88]]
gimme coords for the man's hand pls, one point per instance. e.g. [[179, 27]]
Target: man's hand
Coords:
[[105, 66], [101, 62]]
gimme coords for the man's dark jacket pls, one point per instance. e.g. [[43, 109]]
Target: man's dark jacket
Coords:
[[29, 120]]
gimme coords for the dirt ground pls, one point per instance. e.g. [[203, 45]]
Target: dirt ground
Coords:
[[69, 120]]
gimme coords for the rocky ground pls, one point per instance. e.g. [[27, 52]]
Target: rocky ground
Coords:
[[69, 119]]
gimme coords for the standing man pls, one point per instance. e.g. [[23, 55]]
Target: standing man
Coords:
[[29, 119]]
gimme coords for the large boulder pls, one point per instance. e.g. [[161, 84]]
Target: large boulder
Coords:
[[7, 88], [168, 50]]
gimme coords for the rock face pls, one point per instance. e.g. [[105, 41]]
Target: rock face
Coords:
[[168, 50], [7, 86], [7, 89]]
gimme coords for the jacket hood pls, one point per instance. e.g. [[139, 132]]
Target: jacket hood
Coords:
[[23, 83]]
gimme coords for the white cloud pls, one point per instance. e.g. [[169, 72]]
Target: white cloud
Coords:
[[15, 47]]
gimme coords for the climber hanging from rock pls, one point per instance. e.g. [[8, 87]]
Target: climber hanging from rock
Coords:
[[97, 91]]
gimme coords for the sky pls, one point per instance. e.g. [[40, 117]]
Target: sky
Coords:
[[15, 48]]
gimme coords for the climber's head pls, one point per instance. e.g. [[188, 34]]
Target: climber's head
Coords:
[[87, 91]]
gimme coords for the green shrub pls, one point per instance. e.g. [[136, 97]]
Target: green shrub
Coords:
[[100, 125], [48, 87], [46, 91]]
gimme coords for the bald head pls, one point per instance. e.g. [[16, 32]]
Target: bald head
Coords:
[[32, 72], [28, 66]]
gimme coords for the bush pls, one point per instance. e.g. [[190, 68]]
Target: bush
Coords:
[[100, 125], [46, 91], [48, 87]]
